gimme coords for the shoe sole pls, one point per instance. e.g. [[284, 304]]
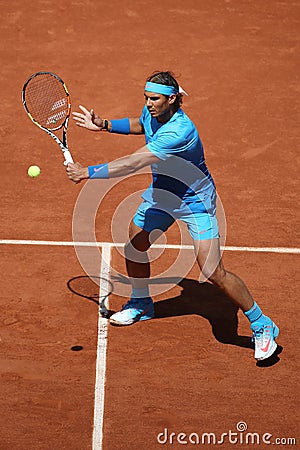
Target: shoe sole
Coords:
[[274, 344]]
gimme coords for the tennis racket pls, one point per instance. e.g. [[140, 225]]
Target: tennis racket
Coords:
[[47, 103]]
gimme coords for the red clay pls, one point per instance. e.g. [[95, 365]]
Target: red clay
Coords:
[[190, 370]]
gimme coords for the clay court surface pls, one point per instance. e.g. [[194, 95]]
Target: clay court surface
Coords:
[[190, 370]]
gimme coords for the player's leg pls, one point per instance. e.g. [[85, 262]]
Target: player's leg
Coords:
[[146, 227], [140, 306], [136, 258], [212, 268], [203, 227], [210, 262]]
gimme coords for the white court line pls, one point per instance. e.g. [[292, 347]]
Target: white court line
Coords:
[[101, 352], [287, 250]]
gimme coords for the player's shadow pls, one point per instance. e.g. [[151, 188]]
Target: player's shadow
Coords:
[[205, 300], [202, 299], [88, 287]]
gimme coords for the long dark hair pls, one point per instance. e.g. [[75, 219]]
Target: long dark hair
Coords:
[[168, 79]]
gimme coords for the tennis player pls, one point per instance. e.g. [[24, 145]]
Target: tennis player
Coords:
[[182, 189]]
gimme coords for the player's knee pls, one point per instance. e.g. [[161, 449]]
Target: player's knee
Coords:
[[136, 253], [217, 277]]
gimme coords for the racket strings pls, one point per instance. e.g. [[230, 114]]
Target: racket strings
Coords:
[[47, 101]]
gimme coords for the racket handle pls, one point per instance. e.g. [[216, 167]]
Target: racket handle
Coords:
[[68, 157]]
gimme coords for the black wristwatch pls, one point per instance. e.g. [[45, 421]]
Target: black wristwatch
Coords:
[[105, 125]]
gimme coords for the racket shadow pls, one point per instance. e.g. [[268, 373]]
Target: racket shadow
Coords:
[[207, 301], [88, 287]]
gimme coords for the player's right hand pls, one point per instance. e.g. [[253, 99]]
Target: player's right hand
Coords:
[[88, 119], [76, 172]]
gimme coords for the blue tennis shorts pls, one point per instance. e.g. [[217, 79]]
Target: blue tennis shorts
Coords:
[[201, 225]]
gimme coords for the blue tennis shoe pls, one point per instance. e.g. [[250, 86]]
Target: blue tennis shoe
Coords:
[[135, 310]]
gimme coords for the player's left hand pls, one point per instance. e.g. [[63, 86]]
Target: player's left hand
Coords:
[[88, 119], [76, 172]]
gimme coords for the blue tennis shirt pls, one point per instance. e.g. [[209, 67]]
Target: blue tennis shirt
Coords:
[[181, 177]]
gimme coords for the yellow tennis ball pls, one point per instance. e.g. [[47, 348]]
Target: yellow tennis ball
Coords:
[[34, 171]]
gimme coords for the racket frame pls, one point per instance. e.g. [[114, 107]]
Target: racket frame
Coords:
[[63, 144]]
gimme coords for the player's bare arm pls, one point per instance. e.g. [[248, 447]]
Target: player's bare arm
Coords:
[[117, 168], [91, 121]]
